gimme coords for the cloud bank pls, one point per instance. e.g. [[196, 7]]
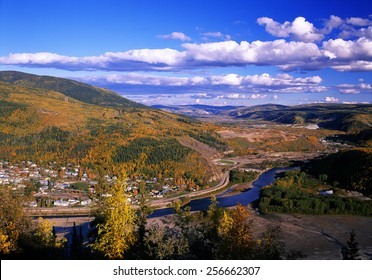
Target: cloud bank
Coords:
[[307, 49], [239, 84], [338, 54]]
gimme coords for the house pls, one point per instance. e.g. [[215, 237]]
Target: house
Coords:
[[86, 202], [33, 204], [61, 202], [73, 201]]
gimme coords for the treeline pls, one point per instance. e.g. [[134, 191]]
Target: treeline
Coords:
[[298, 192], [119, 232]]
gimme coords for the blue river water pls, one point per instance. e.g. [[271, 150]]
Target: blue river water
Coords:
[[244, 198]]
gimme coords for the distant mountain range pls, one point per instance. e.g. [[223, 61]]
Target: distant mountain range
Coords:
[[354, 119], [350, 118], [197, 110]]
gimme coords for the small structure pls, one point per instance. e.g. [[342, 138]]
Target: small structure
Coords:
[[326, 193]]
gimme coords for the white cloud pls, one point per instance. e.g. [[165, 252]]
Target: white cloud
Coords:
[[351, 32], [175, 36], [216, 35], [213, 34], [354, 88], [263, 80], [240, 85], [231, 53], [331, 99], [339, 48], [359, 21], [331, 24], [257, 96], [339, 54], [237, 96], [300, 29], [41, 58], [349, 90]]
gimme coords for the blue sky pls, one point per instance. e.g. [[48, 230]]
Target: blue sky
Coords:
[[206, 52]]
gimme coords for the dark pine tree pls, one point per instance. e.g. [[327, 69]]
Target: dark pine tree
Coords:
[[352, 249]]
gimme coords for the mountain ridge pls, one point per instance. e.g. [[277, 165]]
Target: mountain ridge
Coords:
[[71, 88]]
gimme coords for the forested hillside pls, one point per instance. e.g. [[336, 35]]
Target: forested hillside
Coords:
[[48, 119], [350, 169]]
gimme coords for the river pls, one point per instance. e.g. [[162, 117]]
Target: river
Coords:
[[244, 198]]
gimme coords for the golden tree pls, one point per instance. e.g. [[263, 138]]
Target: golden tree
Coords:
[[116, 222]]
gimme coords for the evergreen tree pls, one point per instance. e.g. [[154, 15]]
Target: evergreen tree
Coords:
[[352, 249], [140, 247]]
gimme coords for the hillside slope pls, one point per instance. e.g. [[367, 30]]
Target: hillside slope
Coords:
[[343, 117], [70, 88], [44, 125]]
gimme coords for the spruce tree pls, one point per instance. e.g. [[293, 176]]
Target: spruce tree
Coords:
[[352, 249]]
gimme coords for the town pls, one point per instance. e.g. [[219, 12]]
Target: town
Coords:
[[54, 185]]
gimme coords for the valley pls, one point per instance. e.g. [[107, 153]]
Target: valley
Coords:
[[68, 149]]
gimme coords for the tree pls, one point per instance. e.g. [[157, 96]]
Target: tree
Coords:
[[236, 234], [115, 223], [352, 249], [271, 246], [13, 222], [140, 246], [76, 248]]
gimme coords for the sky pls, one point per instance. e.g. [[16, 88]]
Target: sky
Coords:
[[197, 52]]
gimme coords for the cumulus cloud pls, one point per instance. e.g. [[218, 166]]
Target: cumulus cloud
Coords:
[[351, 32], [357, 21], [354, 88], [299, 29], [347, 49], [331, 99], [305, 53], [175, 36], [239, 84], [237, 96], [231, 53], [331, 24], [302, 30]]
